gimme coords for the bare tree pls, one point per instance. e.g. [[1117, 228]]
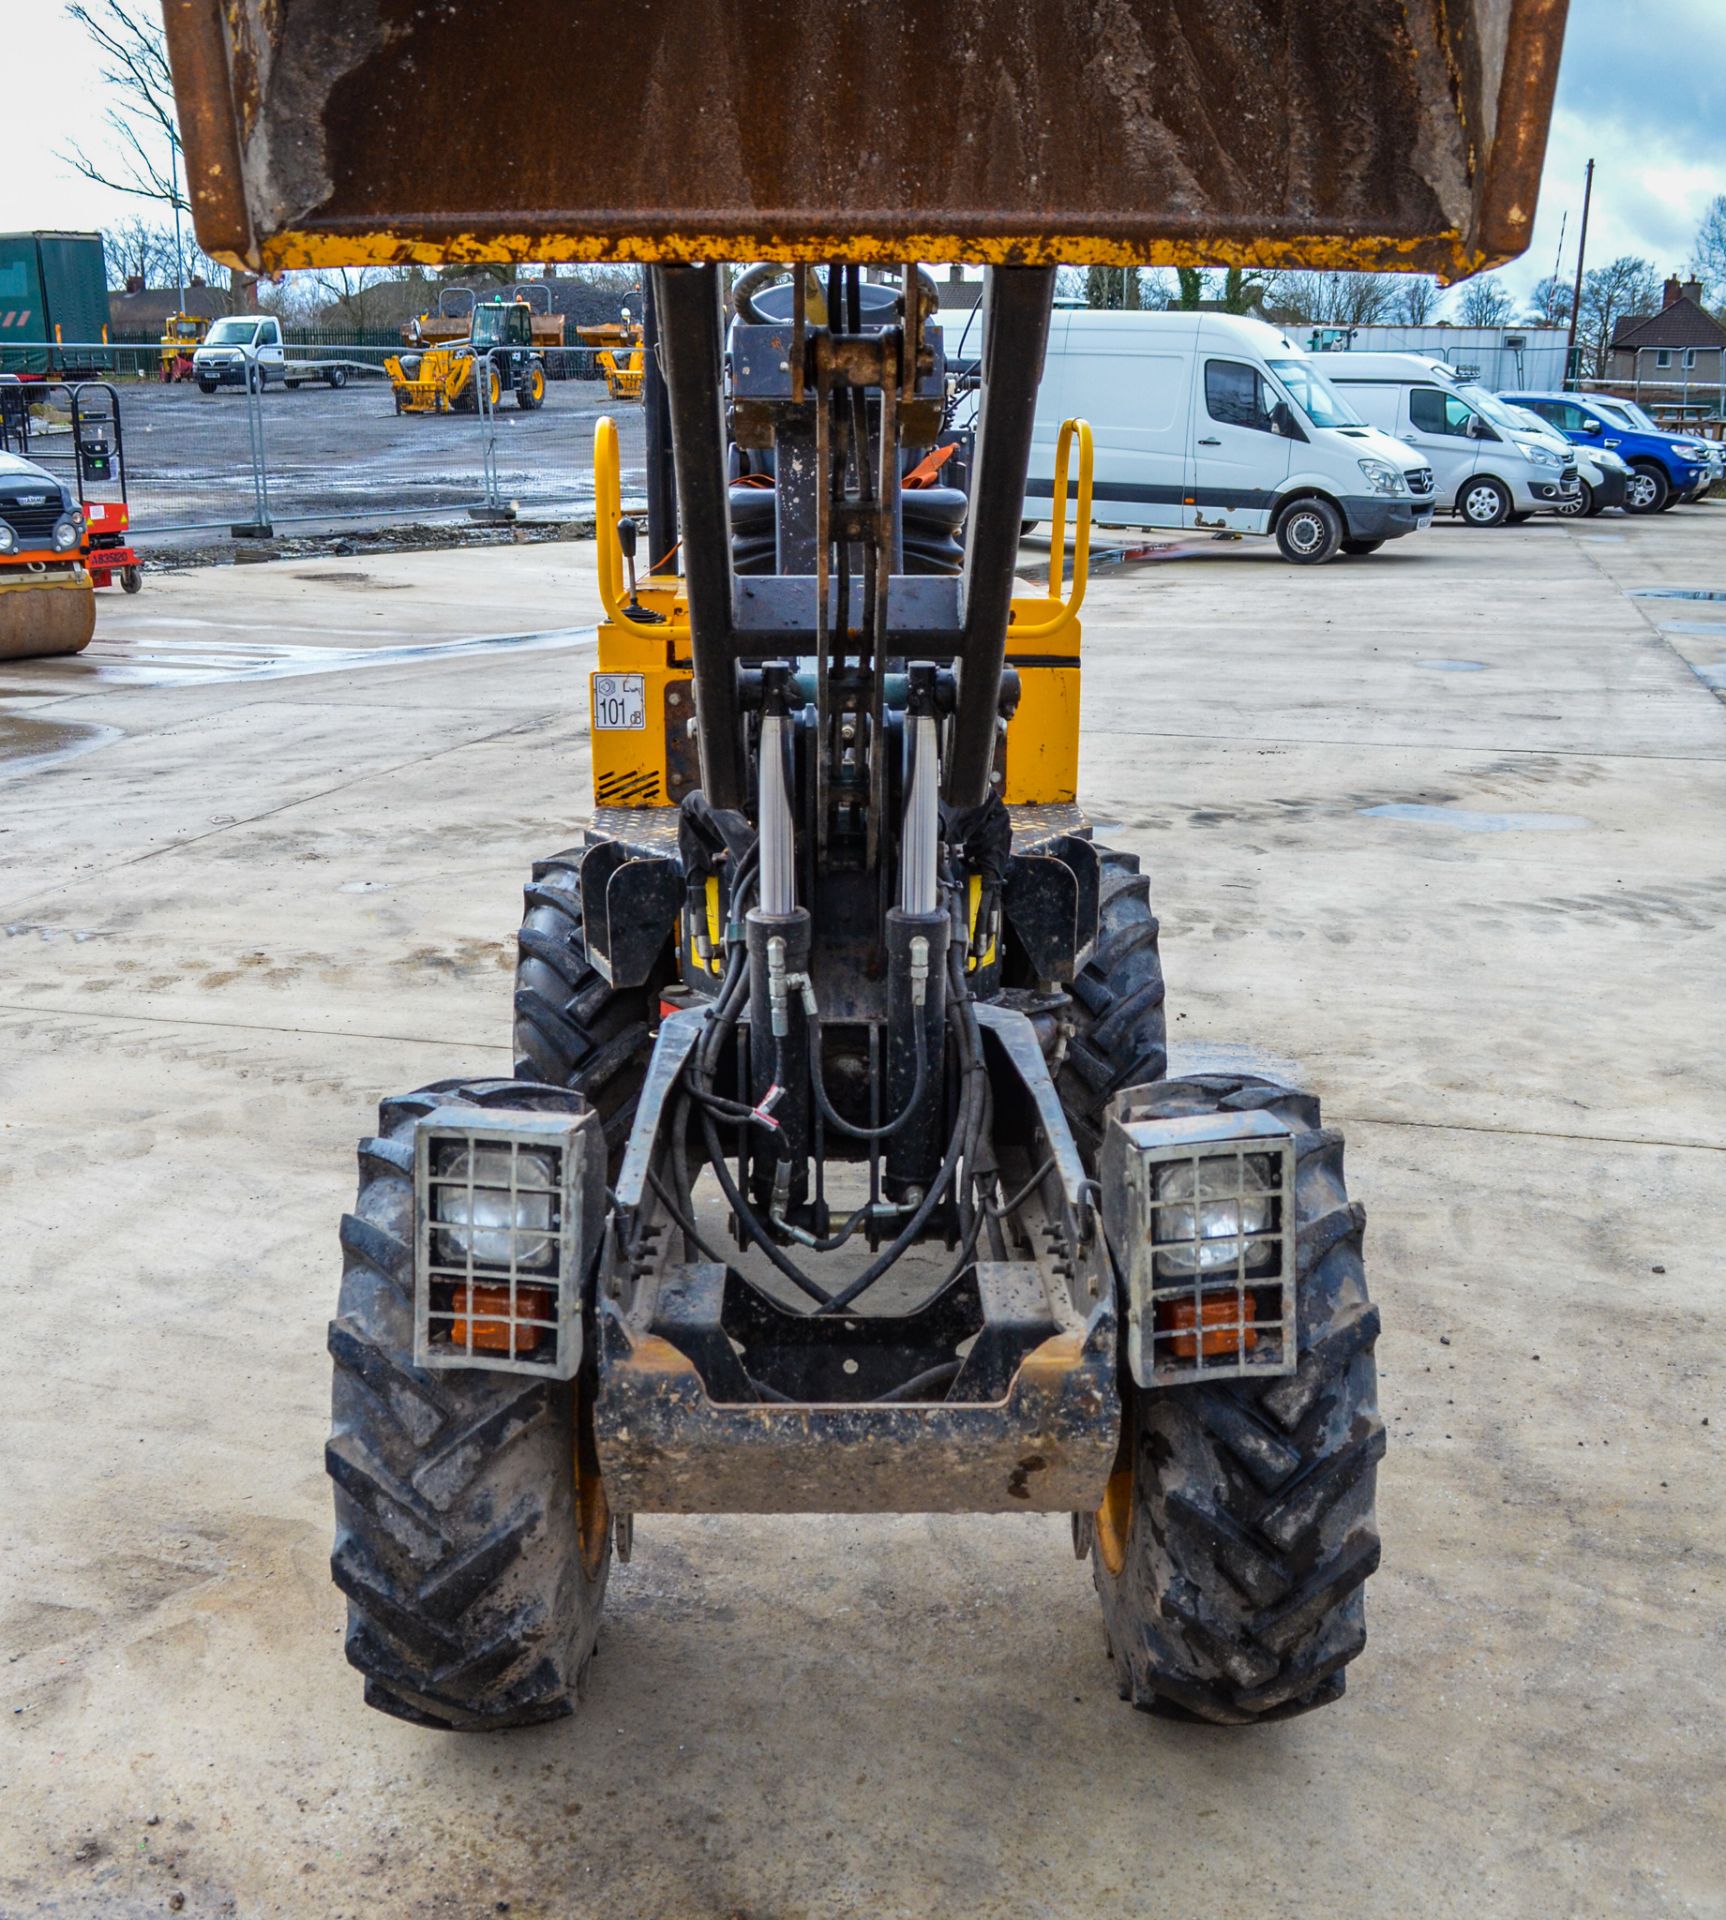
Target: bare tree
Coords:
[[1627, 286], [1415, 300], [1114, 287], [1486, 302], [138, 248], [1549, 303], [143, 121], [1708, 261], [1338, 299]]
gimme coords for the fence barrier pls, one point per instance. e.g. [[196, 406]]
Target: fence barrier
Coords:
[[312, 434]]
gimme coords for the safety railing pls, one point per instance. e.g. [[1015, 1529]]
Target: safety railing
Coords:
[[607, 511], [1067, 610]]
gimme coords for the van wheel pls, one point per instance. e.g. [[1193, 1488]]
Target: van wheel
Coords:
[[1649, 489], [1580, 505], [1309, 532], [1485, 502], [1361, 546], [206, 386]]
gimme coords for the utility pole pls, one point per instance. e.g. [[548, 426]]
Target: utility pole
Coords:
[[1576, 294], [179, 255]]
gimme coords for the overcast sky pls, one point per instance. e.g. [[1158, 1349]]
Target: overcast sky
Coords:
[[1642, 89]]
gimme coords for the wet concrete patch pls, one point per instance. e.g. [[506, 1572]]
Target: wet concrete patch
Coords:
[[1678, 593], [29, 742], [1452, 666], [1468, 820]]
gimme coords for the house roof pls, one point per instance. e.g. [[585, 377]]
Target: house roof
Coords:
[[145, 313], [1683, 324]]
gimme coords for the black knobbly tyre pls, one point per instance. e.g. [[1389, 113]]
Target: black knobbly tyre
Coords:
[[572, 1029], [472, 1536], [1238, 1529], [1119, 1038]]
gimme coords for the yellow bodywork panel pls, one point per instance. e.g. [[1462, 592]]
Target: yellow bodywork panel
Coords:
[[642, 699], [1043, 734]]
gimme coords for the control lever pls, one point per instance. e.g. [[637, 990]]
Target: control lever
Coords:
[[632, 608]]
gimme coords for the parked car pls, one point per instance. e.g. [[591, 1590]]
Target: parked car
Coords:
[[1206, 420], [1603, 480], [1488, 470], [1665, 468], [253, 341]]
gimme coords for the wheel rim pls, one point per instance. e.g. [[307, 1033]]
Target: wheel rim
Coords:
[[1114, 1519], [1574, 504], [1642, 490], [1481, 504], [537, 384], [1306, 532], [592, 1509]]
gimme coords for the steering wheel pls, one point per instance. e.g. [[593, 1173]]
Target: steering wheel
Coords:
[[756, 280]]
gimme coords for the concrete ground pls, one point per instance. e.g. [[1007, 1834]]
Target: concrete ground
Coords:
[[1442, 829]]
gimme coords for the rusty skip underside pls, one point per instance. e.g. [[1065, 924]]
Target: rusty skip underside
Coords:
[[1353, 133]]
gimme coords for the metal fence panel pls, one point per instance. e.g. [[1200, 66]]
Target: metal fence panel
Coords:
[[303, 451]]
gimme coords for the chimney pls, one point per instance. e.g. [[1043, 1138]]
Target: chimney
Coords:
[[134, 283], [1693, 291], [1672, 291], [197, 280]]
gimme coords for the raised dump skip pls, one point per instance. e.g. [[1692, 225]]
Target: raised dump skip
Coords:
[[1359, 133]]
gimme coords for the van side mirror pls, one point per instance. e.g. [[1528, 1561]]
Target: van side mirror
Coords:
[[1283, 421], [1591, 425]]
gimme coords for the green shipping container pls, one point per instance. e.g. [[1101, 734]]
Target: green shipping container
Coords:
[[53, 296]]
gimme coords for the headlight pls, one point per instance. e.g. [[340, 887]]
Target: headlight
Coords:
[[1688, 450], [1541, 456], [496, 1219], [66, 534], [1217, 1204], [1381, 476], [8, 539]]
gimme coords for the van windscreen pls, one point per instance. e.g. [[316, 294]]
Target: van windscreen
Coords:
[[1315, 396]]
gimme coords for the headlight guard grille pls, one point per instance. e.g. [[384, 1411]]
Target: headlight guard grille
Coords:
[[1200, 1215], [508, 1206]]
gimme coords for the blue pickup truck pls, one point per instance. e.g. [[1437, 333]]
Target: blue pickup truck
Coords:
[[1665, 468]]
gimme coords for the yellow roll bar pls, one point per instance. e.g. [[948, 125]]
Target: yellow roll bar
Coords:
[[607, 510], [1041, 629]]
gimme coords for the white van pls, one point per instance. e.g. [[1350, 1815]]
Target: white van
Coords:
[[1490, 469], [1209, 420], [233, 344]]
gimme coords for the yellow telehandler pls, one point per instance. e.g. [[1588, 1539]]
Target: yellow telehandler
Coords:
[[496, 353]]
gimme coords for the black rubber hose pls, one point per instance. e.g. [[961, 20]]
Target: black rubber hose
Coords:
[[919, 1086], [746, 1215], [907, 1233], [917, 1387]]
